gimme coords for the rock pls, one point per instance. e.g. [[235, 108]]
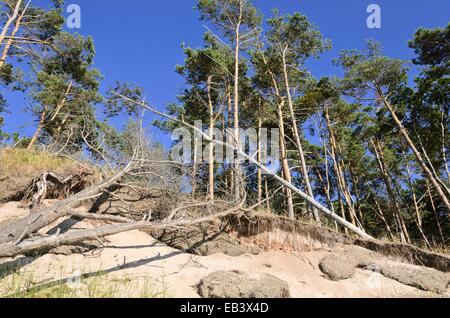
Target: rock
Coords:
[[338, 267], [343, 265], [236, 284], [424, 278]]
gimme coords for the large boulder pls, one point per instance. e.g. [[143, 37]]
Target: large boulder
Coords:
[[236, 284], [343, 265]]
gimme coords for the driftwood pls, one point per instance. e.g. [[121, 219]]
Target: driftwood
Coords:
[[18, 231]]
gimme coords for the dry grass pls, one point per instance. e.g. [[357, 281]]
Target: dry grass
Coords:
[[19, 162], [18, 168], [20, 283]]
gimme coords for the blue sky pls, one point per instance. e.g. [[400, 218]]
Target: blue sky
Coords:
[[139, 41]]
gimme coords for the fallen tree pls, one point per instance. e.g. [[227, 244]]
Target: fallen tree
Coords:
[[312, 201]]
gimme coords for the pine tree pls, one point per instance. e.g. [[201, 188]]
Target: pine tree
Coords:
[[239, 22]]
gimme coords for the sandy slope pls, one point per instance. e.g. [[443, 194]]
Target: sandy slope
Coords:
[[145, 263]]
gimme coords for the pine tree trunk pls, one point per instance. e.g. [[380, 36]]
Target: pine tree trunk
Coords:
[[10, 20], [285, 162], [341, 207], [259, 159], [266, 186], [10, 41], [417, 217], [420, 161], [326, 190], [337, 169], [355, 184], [227, 129], [433, 206], [395, 207], [211, 145], [298, 142], [194, 170], [383, 218], [238, 180], [38, 129], [347, 193]]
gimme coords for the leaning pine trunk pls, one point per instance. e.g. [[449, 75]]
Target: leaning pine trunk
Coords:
[[285, 164], [419, 159], [38, 129], [397, 214], [383, 218], [194, 170], [298, 141], [10, 20], [11, 39], [266, 189], [433, 206], [417, 217], [337, 170]]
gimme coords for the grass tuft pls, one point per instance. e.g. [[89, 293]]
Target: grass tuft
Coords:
[[20, 283]]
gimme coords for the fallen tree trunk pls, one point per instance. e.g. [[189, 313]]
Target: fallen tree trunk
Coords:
[[16, 232], [11, 250], [313, 202]]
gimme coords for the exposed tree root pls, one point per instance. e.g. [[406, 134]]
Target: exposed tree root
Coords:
[[14, 233]]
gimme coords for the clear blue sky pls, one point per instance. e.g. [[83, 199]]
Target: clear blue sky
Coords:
[[139, 41]]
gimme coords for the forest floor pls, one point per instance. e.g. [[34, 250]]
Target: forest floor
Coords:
[[135, 264]]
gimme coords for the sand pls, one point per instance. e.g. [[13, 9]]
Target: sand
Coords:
[[144, 263]]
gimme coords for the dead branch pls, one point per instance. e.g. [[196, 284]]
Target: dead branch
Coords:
[[99, 217]]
